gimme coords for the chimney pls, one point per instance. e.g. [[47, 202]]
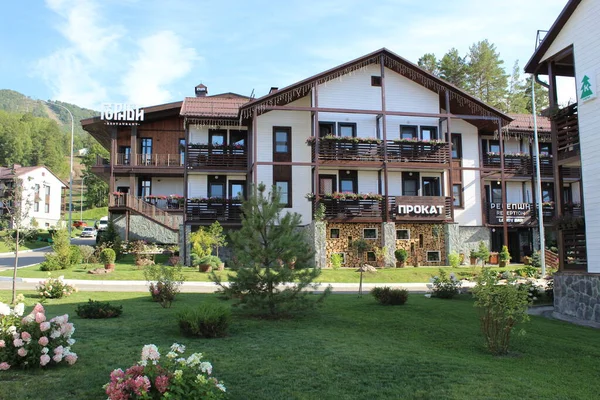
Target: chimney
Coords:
[[273, 89], [201, 90]]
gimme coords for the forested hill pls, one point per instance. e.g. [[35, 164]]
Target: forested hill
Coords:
[[33, 132]]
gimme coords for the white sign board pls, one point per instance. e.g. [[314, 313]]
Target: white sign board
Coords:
[[121, 113]]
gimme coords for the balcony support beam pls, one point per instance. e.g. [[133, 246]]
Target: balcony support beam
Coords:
[[384, 127]]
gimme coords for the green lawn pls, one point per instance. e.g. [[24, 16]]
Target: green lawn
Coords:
[[352, 348], [25, 246], [126, 271]]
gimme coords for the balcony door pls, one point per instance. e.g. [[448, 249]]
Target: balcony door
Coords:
[[144, 186], [349, 181], [218, 139], [431, 186], [237, 190], [410, 184], [124, 155], [146, 150], [327, 184], [238, 141]]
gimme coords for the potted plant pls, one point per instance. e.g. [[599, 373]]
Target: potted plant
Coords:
[[108, 256], [401, 256], [504, 256], [494, 257], [473, 257], [360, 246], [209, 263], [483, 253]]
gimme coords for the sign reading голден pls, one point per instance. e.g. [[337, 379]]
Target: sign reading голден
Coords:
[[121, 114]]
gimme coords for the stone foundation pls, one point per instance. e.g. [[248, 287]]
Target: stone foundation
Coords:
[[576, 295], [142, 228], [463, 239]]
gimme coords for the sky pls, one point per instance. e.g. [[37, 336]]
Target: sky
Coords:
[[148, 52]]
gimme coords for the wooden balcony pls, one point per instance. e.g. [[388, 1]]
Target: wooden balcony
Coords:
[[139, 205], [365, 150], [208, 211], [160, 202], [398, 208], [521, 165], [575, 251], [158, 160], [217, 158], [567, 132]]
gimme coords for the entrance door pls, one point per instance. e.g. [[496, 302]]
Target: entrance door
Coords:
[[410, 184], [431, 186]]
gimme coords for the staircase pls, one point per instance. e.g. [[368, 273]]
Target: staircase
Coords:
[[551, 259], [146, 209]]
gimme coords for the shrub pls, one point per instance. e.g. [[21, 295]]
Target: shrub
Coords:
[[201, 242], [96, 310], [549, 287], [164, 283], [454, 259], [536, 261], [51, 264], [213, 262], [175, 377], [527, 272], [531, 288], [336, 260], [111, 238], [388, 296], [174, 260], [55, 288], [86, 253], [401, 255], [501, 308], [445, 286], [139, 250], [208, 321], [504, 255], [483, 253], [108, 256], [75, 255], [33, 341]]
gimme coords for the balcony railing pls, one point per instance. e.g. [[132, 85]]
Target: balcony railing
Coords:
[[149, 210], [159, 160], [207, 210], [161, 202], [575, 252], [217, 157], [400, 208], [567, 132], [518, 164], [373, 150]]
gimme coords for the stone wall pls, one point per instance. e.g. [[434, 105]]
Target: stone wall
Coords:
[[423, 238], [142, 228], [316, 235], [576, 296], [463, 239]]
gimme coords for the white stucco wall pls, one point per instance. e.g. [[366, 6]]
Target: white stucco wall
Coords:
[[43, 177]]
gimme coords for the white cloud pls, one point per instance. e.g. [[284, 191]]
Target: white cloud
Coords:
[[161, 60]]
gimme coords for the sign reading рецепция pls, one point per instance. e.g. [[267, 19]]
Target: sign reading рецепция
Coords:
[[121, 113]]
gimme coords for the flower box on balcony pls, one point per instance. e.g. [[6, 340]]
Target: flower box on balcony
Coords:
[[343, 139], [432, 142], [216, 146], [346, 196]]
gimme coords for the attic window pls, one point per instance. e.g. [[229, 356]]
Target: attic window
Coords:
[[375, 81]]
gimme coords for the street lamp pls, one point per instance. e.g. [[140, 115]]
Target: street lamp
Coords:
[[71, 166]]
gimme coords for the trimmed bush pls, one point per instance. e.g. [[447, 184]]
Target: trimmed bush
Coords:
[[108, 256], [207, 321], [97, 309], [454, 259], [86, 253], [213, 261], [388, 296], [52, 263], [75, 255], [445, 286]]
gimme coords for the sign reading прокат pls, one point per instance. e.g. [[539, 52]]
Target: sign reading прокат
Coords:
[[121, 114]]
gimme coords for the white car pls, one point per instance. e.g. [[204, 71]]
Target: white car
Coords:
[[88, 231]]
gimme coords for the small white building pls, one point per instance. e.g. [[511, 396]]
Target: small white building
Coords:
[[42, 194]]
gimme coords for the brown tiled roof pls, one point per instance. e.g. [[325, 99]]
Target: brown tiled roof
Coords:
[[524, 122], [225, 105]]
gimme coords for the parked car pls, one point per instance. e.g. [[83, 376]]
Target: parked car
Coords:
[[79, 224], [102, 224], [88, 231]]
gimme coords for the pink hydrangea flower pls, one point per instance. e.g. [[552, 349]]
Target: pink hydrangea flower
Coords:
[[161, 383], [38, 308], [59, 350], [2, 343], [44, 326], [57, 358], [43, 341], [71, 358], [4, 366], [22, 352], [40, 317], [26, 336], [18, 342], [44, 359]]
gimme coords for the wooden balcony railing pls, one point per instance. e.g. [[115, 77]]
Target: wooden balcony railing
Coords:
[[572, 209], [224, 211], [145, 208], [575, 252], [420, 152], [160, 202], [567, 131], [518, 164], [221, 158], [159, 160], [353, 210]]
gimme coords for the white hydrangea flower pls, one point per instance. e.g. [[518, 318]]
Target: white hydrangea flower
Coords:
[[206, 367], [171, 355], [19, 309], [178, 373], [221, 387], [4, 309]]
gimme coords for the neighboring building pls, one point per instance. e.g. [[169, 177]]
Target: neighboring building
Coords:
[[43, 194], [571, 49], [396, 156]]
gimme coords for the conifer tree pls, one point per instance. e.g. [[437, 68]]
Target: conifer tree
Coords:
[[429, 63], [453, 68], [486, 78], [273, 259]]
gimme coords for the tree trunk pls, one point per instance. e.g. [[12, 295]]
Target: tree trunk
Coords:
[[14, 283]]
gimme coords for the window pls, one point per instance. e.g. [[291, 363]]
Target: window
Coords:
[[145, 188], [216, 189], [431, 186], [284, 190], [46, 199], [408, 132], [347, 129], [146, 150], [370, 233], [326, 129], [281, 140], [433, 256], [402, 234], [494, 146], [334, 233], [420, 240], [496, 188], [456, 145], [124, 155], [429, 133], [36, 198], [410, 183], [343, 257], [182, 151], [375, 81], [349, 181], [457, 195], [46, 208], [371, 257]]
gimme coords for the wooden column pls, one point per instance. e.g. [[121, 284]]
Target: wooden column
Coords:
[[503, 184], [254, 146], [317, 135], [449, 144], [113, 158], [133, 145], [384, 137]]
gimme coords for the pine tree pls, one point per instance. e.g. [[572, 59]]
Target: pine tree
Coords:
[[516, 97], [273, 259], [486, 78], [453, 68], [429, 63]]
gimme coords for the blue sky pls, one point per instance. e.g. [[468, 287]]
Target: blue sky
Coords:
[[147, 52]]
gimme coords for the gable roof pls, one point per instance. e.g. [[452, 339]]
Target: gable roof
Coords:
[[224, 105], [461, 102], [524, 122], [534, 64], [7, 173]]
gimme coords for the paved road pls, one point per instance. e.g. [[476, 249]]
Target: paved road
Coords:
[[7, 260]]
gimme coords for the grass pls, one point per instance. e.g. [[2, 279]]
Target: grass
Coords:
[[352, 348], [91, 215], [28, 245], [125, 270]]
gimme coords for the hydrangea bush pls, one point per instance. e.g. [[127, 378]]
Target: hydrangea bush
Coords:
[[173, 377], [33, 341], [444, 286], [55, 288]]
